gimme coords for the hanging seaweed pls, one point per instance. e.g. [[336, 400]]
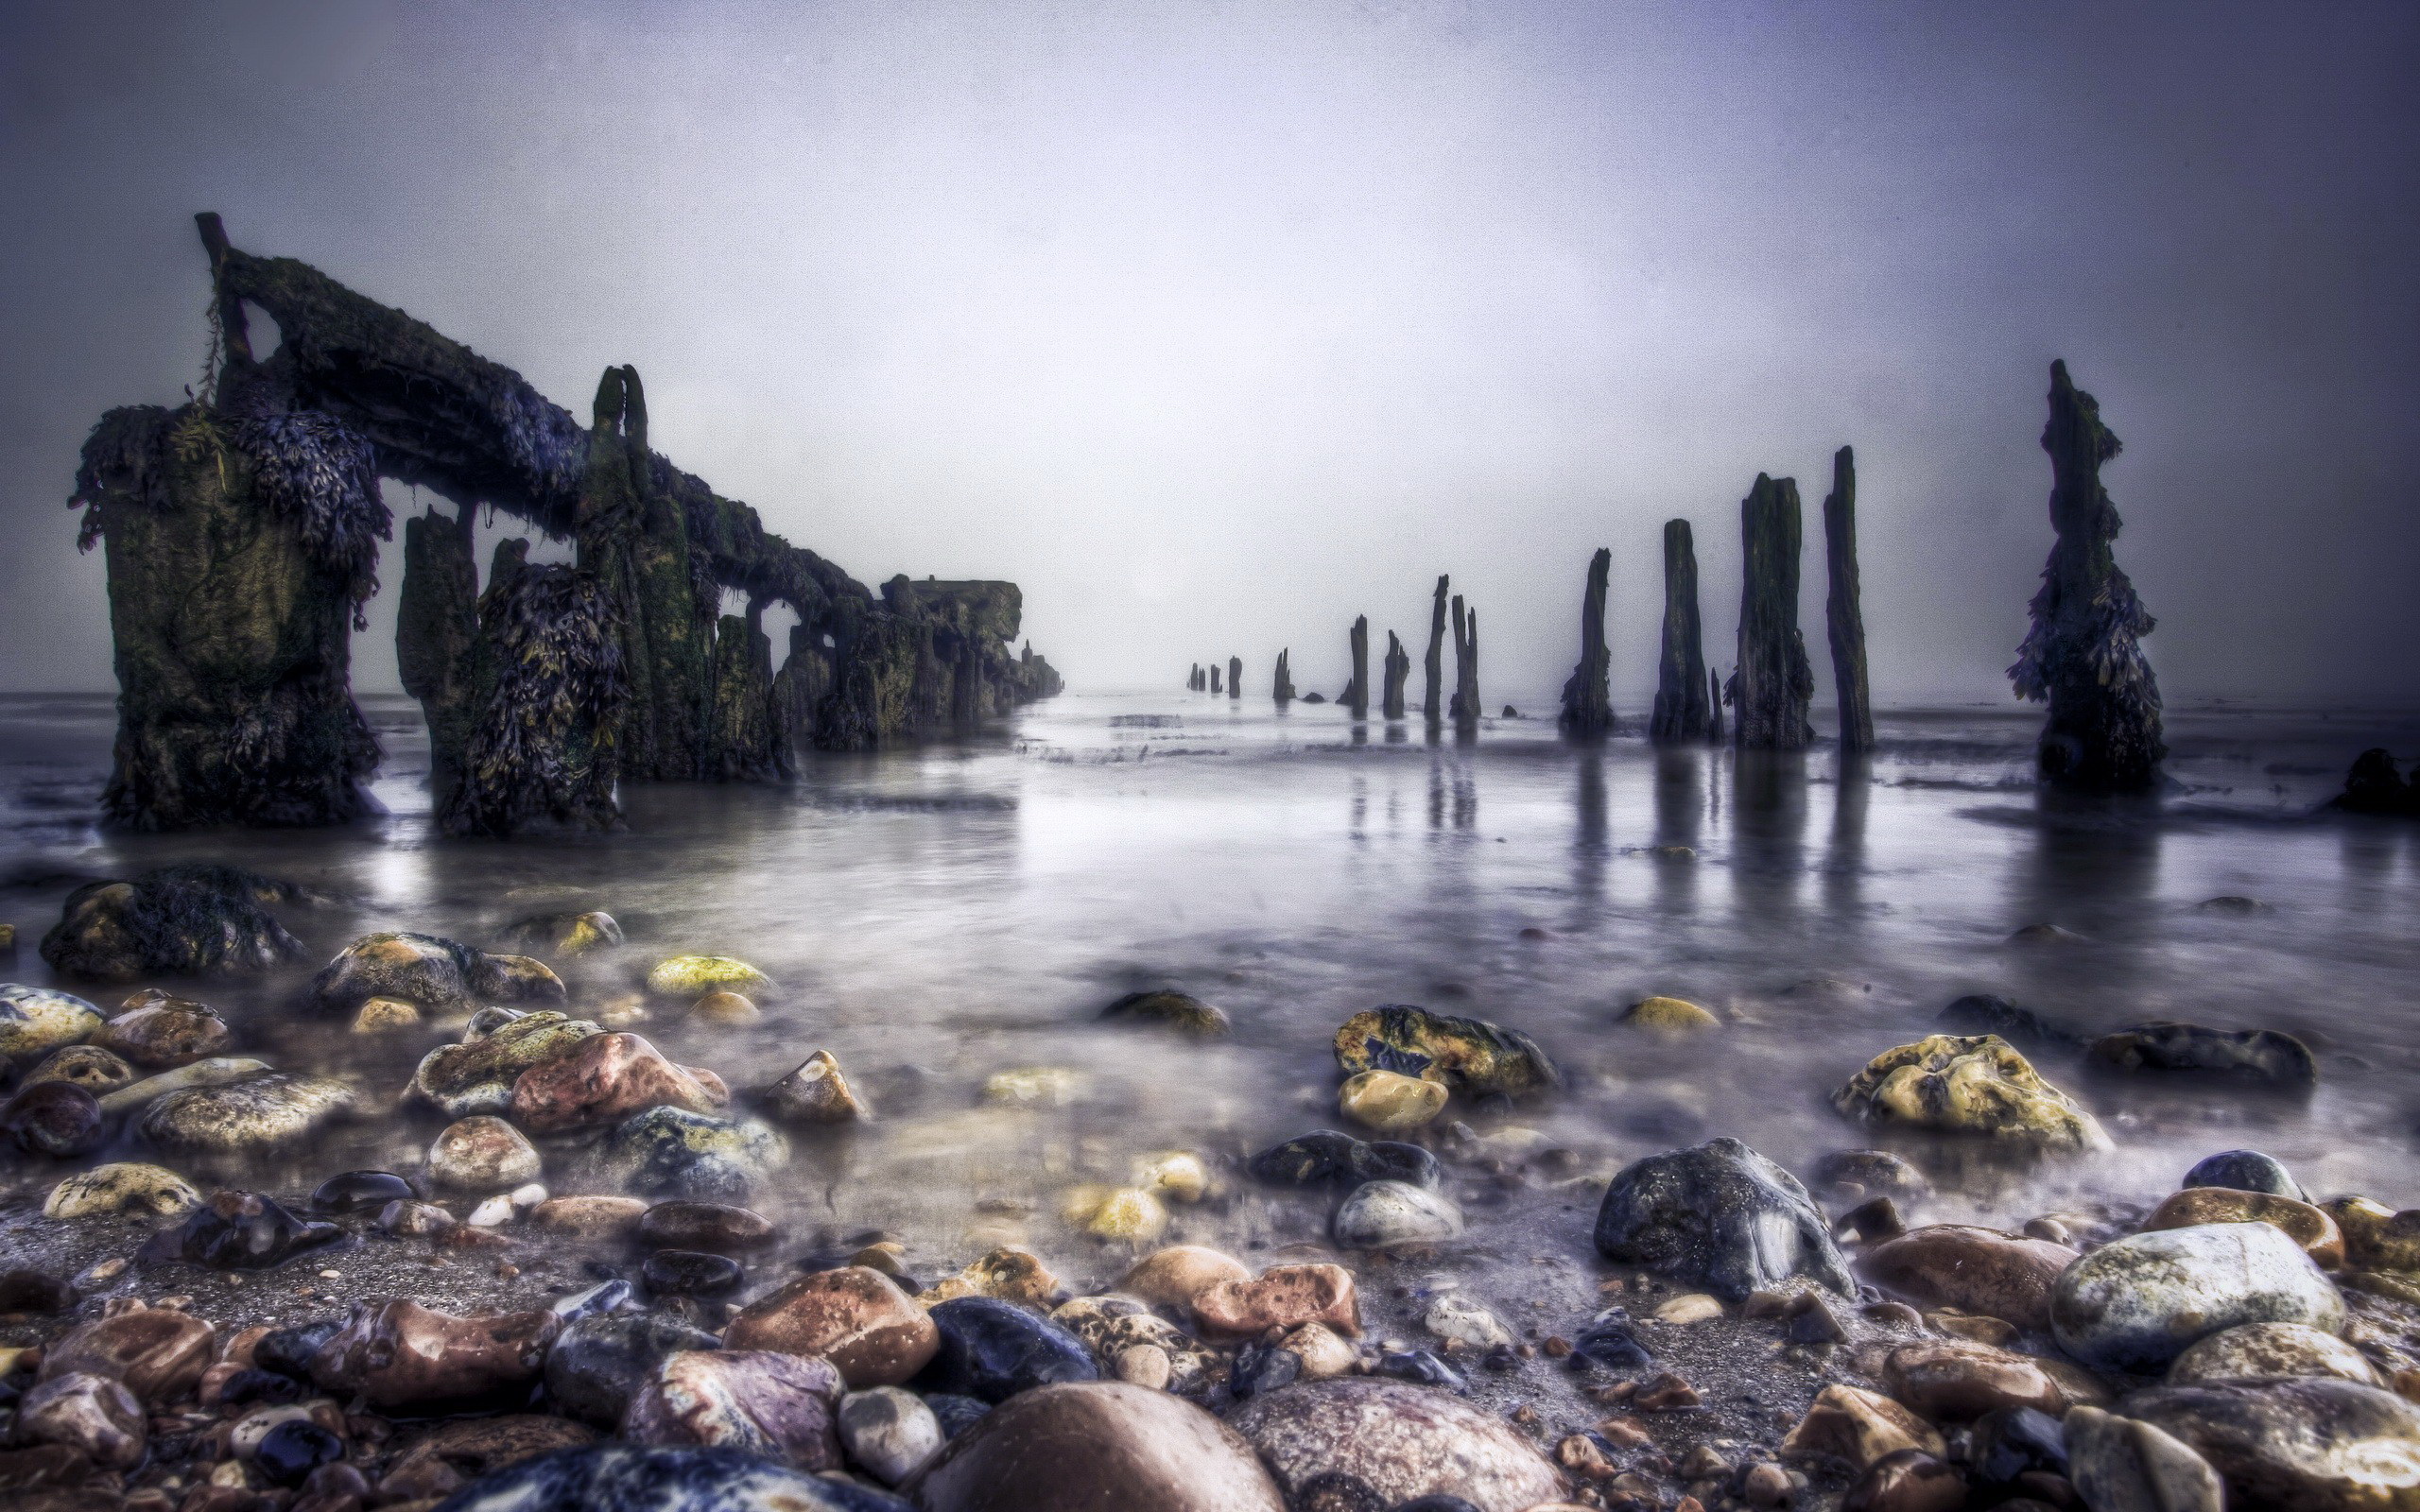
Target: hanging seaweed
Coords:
[[309, 466], [542, 750]]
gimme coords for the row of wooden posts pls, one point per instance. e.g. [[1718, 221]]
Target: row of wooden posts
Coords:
[[1771, 685]]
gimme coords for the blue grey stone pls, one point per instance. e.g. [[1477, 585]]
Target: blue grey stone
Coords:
[[1720, 1216], [994, 1350], [2246, 1171], [628, 1478], [673, 1151]]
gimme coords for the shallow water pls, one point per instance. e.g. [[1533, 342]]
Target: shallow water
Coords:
[[935, 915]]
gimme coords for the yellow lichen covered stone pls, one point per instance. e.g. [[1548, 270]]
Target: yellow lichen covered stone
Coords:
[[1669, 1016], [1179, 1176], [1391, 1101], [1011, 1273], [693, 976], [1115, 1213], [381, 1014], [1968, 1084]]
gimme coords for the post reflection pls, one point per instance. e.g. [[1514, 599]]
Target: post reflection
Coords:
[[1768, 833], [1681, 773]]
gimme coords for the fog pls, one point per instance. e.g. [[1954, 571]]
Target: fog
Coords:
[[1213, 326]]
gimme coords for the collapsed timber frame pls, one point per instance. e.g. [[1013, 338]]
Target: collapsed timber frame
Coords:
[[242, 534]]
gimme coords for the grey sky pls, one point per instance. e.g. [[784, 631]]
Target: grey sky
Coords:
[[1213, 325]]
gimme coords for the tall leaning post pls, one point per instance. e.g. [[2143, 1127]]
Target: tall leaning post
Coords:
[[1842, 617]]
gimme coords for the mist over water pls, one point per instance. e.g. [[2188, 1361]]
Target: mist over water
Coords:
[[937, 915]]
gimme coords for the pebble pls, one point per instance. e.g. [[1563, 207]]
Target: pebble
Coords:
[[690, 1273], [1324, 1351], [1908, 1481], [1173, 1277], [36, 1020], [674, 1152], [1143, 1364], [433, 972], [1012, 1273], [1720, 1215], [2258, 1055], [1690, 1307], [1098, 1444], [616, 1476], [1168, 1009], [994, 1350], [1857, 1173], [88, 1413], [1178, 1175], [95, 1070], [591, 1217], [759, 1403], [215, 1072], [482, 1154], [597, 1364], [2377, 1235], [1968, 1084], [58, 1119], [1466, 1322], [717, 1227], [358, 1191], [2316, 1442], [2246, 1171], [272, 1111], [1283, 1296], [605, 1078], [688, 977], [1033, 1087], [399, 1353], [121, 1189], [2136, 1303], [478, 1074], [889, 1432], [725, 1008], [2314, 1231], [816, 1093], [2258, 1350], [1970, 1269], [160, 1031], [856, 1318], [386, 1016], [156, 1352], [2120, 1464], [1326, 1155], [1115, 1213], [239, 1231], [1669, 1016], [1383, 1214], [1469, 1056], [1982, 1014], [1958, 1381], [292, 1450], [1857, 1427], [1398, 1439], [1390, 1102]]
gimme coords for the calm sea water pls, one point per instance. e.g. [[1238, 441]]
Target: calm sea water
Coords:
[[935, 915]]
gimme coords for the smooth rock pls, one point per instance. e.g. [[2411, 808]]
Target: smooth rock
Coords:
[[1323, 1351], [675, 1153], [92, 1414], [717, 1227], [1383, 1214], [359, 1192], [156, 1352], [1173, 1277], [292, 1450], [121, 1189], [1968, 1084], [1970, 1269], [1465, 1320], [856, 1318], [2120, 1464], [399, 1353], [1982, 1014], [1718, 1215], [1908, 1481], [1858, 1172], [95, 1070], [1391, 1101], [34, 1020], [1011, 1273], [597, 1364], [2136, 1303], [386, 1016], [816, 1093], [217, 1072], [2317, 1443], [591, 1217], [1177, 1175], [993, 1350], [1469, 1055], [482, 1154], [689, 1273], [1170, 1009], [631, 1478], [275, 1111], [888, 1432], [440, 975], [1111, 1326], [478, 1074], [1394, 1442], [2256, 1055], [762, 1403], [187, 919], [1103, 1445], [564, 934], [2256, 1352], [1669, 1016], [2377, 1236], [1958, 1380], [164, 1031], [2245, 1171], [407, 1218], [57, 1119], [2305, 1225], [604, 1079], [1857, 1427], [239, 1231], [1115, 1213], [1327, 1155], [690, 977]]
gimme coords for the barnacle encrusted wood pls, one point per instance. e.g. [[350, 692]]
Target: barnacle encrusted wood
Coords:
[[243, 533]]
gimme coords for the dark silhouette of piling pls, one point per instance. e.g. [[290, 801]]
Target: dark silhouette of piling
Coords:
[[1398, 672], [1772, 685], [1842, 618], [1432, 707], [1587, 697], [1683, 705]]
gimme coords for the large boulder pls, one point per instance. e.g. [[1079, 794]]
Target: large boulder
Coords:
[[2255, 1054], [1391, 1441], [2136, 1303], [1722, 1216], [631, 1478], [441, 976], [2310, 1445], [1968, 1084], [176, 921], [1469, 1056], [1096, 1445], [1972, 1269]]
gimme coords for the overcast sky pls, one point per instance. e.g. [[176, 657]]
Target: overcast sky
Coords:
[[1213, 325]]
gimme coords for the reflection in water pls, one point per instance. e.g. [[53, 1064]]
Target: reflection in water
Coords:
[[1680, 774], [1768, 833], [1844, 860], [1589, 839]]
